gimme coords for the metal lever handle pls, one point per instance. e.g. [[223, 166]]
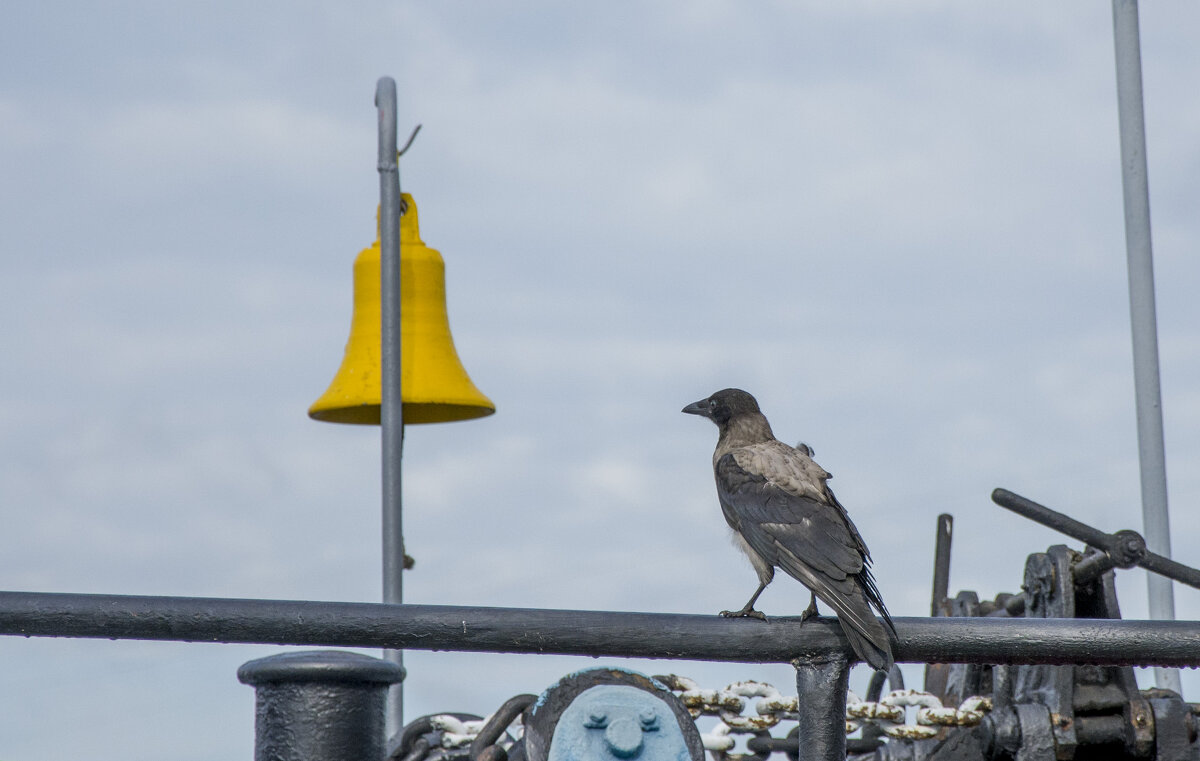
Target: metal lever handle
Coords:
[[1126, 548]]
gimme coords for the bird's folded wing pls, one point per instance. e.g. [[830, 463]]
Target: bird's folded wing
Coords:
[[792, 521], [784, 527]]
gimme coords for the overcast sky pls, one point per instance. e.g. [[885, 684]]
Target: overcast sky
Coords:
[[899, 225]]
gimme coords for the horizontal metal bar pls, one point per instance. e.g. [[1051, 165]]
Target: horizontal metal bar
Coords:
[[1065, 524], [1165, 566], [592, 633]]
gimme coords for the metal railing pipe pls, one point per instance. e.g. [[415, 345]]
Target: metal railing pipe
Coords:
[[591, 633]]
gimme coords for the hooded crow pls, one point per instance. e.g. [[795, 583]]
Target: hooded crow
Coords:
[[783, 514]]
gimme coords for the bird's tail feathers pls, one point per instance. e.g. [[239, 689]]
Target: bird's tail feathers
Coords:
[[867, 582], [873, 647], [851, 600], [866, 633]]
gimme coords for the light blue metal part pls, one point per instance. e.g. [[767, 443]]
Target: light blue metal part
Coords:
[[612, 721], [541, 699]]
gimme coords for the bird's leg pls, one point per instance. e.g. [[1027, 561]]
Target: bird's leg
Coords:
[[748, 610], [810, 611]]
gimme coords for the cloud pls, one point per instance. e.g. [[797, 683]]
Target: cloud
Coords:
[[899, 226], [236, 138]]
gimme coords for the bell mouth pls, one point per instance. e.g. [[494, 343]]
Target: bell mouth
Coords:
[[414, 413]]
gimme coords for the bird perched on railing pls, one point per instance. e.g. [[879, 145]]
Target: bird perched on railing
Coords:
[[783, 514]]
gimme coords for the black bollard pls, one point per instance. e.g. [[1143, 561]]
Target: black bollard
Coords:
[[319, 705]]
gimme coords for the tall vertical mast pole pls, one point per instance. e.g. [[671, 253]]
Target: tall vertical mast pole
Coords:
[[1147, 389]]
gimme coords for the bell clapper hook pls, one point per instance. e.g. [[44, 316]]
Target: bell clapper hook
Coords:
[[409, 142]]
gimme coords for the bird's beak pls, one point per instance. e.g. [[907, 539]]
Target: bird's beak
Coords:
[[697, 408]]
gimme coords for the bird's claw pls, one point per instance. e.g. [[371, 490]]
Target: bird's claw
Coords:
[[809, 612], [745, 613]]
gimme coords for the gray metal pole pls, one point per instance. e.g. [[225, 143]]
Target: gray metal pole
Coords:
[[1135, 180], [391, 415]]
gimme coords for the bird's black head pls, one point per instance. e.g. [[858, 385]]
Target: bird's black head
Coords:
[[724, 405]]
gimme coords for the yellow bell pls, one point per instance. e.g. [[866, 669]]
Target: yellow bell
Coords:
[[434, 386]]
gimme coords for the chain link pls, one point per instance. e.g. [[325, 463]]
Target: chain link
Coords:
[[888, 713], [455, 732]]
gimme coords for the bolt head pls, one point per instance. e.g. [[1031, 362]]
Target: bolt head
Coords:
[[649, 719]]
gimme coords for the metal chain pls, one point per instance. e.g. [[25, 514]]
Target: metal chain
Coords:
[[772, 707], [456, 733], [729, 703], [888, 713]]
